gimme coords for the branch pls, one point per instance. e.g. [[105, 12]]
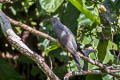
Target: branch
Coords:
[[16, 41], [114, 66], [71, 74], [92, 72], [32, 30], [100, 65]]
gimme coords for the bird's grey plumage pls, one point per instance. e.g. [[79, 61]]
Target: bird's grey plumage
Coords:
[[66, 38]]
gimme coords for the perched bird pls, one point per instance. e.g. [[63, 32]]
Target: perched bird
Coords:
[[66, 39]]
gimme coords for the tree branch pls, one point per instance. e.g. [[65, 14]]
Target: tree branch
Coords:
[[71, 74], [100, 65], [16, 41], [32, 30], [92, 72]]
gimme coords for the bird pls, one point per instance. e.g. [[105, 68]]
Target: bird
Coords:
[[66, 39]]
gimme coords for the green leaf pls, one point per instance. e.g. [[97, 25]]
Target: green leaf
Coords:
[[91, 66], [107, 77], [86, 40], [69, 17], [82, 8], [13, 10], [0, 6], [50, 5], [7, 72], [84, 20], [102, 49], [50, 48], [109, 57]]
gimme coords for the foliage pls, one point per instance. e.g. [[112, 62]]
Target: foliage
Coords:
[[91, 24]]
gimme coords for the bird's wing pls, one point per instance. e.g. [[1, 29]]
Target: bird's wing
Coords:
[[67, 30], [71, 44]]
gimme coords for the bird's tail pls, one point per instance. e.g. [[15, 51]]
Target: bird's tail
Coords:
[[77, 61]]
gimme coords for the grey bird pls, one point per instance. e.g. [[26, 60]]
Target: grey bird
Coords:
[[66, 39]]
